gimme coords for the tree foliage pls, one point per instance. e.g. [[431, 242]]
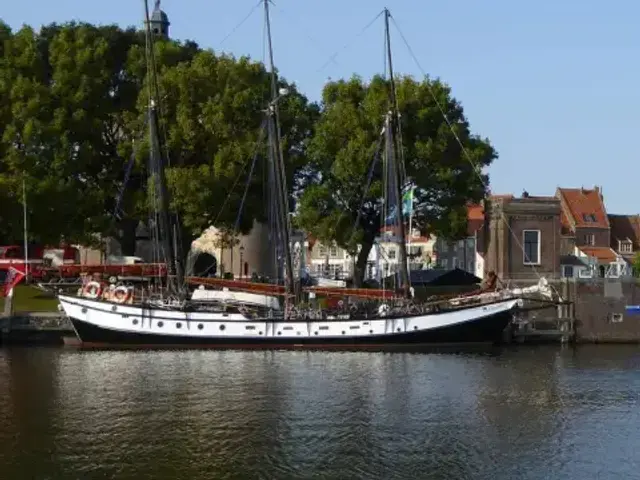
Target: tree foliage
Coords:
[[72, 113], [334, 205], [73, 102]]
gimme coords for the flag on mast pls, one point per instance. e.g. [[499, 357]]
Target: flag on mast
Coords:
[[406, 205], [407, 200], [14, 277]]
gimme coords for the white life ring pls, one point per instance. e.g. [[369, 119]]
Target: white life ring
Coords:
[[383, 310], [121, 294], [92, 290]]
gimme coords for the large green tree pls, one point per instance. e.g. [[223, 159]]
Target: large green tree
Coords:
[[74, 101], [333, 204], [213, 111], [68, 97]]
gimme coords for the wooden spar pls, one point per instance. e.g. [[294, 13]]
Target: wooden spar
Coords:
[[353, 292], [270, 289], [238, 285]]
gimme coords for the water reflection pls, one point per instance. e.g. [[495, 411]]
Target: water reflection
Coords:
[[526, 413]]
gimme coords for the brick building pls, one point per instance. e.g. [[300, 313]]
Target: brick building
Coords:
[[521, 236]]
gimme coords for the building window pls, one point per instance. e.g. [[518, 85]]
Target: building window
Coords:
[[454, 262], [445, 247], [392, 254], [567, 271], [589, 217], [333, 251], [531, 243], [323, 251], [625, 247], [589, 239]]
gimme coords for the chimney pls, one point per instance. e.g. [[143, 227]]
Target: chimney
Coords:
[[596, 188]]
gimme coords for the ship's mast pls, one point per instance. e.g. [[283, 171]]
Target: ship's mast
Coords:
[[282, 200], [165, 226], [393, 121]]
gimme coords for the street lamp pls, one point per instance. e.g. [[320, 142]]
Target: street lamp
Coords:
[[241, 263]]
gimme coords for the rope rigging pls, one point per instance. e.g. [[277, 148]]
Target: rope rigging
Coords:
[[464, 150]]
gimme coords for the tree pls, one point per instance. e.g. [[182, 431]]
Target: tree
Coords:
[[213, 110], [636, 265], [333, 204], [68, 100], [72, 113]]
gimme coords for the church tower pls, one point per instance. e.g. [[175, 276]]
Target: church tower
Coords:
[[159, 22]]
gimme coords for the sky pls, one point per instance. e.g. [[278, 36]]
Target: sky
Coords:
[[554, 84]]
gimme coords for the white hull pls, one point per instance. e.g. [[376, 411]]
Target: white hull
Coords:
[[100, 321]]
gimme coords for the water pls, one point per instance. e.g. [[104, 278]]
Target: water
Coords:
[[526, 413]]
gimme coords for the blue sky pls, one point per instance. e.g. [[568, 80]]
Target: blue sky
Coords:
[[553, 83]]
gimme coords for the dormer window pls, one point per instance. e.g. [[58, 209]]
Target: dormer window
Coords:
[[589, 239], [589, 217], [625, 246]]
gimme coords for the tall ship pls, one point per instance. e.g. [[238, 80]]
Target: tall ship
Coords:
[[226, 313]]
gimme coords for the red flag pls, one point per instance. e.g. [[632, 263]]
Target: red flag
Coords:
[[14, 277]]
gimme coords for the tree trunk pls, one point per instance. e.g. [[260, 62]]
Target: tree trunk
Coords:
[[361, 263], [127, 237]]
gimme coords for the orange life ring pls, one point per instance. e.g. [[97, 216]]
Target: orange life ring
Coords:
[[121, 294], [92, 290]]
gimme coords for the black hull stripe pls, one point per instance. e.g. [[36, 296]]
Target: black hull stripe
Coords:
[[483, 330]]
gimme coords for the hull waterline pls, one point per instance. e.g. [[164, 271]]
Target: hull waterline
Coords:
[[101, 324]]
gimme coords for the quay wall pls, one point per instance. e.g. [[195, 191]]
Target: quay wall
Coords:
[[598, 308]]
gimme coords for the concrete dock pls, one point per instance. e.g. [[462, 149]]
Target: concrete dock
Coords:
[[41, 328]]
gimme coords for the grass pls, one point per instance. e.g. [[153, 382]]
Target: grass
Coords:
[[31, 299]]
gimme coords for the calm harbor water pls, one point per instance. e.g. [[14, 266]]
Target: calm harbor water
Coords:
[[525, 413]]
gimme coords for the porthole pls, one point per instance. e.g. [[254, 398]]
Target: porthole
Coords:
[[315, 333], [200, 326], [279, 333], [160, 324], [415, 327], [343, 332], [135, 322], [370, 331], [399, 329], [178, 325], [84, 309], [259, 333], [114, 308], [222, 327]]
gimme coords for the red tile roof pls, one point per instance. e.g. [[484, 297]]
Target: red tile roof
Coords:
[[565, 224], [583, 208], [625, 227], [475, 218], [602, 254]]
